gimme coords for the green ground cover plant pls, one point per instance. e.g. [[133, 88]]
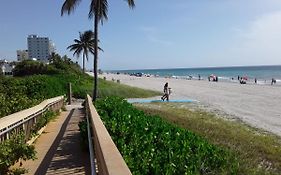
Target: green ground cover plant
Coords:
[[258, 152], [150, 145]]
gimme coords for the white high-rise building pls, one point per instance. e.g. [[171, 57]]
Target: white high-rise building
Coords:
[[39, 47], [22, 55]]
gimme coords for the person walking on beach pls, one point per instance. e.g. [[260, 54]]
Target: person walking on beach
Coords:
[[167, 91], [273, 81]]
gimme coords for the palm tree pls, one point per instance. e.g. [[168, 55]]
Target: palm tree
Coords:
[[98, 9], [84, 44]]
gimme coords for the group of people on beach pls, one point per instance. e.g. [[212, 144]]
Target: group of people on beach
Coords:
[[167, 90], [243, 80], [213, 78]]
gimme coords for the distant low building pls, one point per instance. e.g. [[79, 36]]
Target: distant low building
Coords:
[[22, 55], [6, 67]]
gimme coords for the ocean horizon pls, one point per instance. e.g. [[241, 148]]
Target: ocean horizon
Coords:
[[263, 74]]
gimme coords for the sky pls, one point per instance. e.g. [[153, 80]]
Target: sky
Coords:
[[156, 33]]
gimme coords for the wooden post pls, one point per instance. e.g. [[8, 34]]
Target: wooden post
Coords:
[[69, 93]]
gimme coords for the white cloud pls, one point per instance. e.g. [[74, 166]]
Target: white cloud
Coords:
[[260, 42], [267, 27], [152, 35], [148, 29], [155, 40]]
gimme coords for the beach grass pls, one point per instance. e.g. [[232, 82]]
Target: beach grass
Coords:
[[258, 152], [110, 88]]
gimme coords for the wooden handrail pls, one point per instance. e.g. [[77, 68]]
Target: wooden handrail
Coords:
[[26, 119], [109, 159]]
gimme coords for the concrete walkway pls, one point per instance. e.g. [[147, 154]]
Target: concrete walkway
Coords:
[[58, 148]]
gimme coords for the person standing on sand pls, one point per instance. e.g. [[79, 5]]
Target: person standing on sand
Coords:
[[166, 92], [273, 81]]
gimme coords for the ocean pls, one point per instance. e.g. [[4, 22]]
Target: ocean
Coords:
[[263, 74]]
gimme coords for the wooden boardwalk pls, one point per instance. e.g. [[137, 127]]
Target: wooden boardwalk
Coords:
[[58, 148]]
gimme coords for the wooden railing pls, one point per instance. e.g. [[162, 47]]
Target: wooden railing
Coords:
[[25, 120], [108, 158]]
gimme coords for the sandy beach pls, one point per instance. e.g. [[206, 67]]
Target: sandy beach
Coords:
[[256, 105]]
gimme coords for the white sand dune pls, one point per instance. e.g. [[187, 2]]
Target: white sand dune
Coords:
[[257, 105]]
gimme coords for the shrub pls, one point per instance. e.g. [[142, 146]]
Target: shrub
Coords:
[[83, 134], [18, 93], [65, 65], [29, 67], [43, 120], [150, 145], [14, 149]]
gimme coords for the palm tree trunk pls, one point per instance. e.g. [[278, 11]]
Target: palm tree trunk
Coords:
[[96, 51], [83, 63]]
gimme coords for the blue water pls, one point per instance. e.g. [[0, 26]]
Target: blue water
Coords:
[[261, 73]]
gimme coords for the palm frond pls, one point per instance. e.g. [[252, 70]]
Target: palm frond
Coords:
[[88, 35], [131, 3], [99, 8], [100, 49], [73, 46], [69, 6], [92, 51], [77, 52], [77, 41]]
